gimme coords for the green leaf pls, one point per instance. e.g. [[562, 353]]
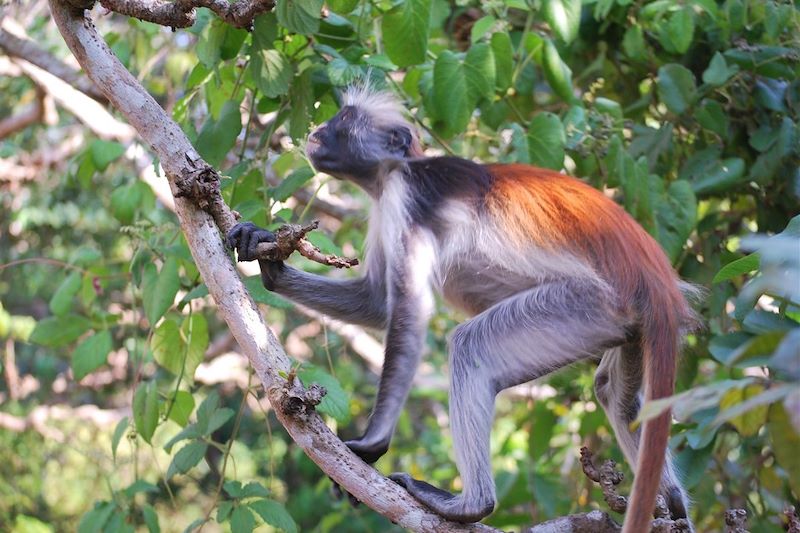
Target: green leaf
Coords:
[[785, 444], [676, 87], [217, 420], [91, 354], [481, 26], [195, 333], [405, 31], [712, 116], [292, 183], [145, 410], [233, 488], [558, 74], [254, 489], [301, 102], [479, 72], [217, 137], [186, 458], [342, 73], [738, 267], [747, 423], [104, 152], [182, 407], [242, 520], [343, 7], [150, 518], [119, 432], [167, 346], [274, 514], [263, 296], [265, 31], [272, 72], [126, 200], [159, 289], [546, 141], [720, 177], [718, 71], [299, 16], [336, 402], [58, 331], [564, 17], [192, 431], [503, 59], [95, 520], [61, 302], [633, 43], [209, 44], [675, 216], [450, 93], [139, 486], [678, 32]]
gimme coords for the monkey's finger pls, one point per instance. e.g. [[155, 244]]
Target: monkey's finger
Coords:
[[234, 235], [339, 493]]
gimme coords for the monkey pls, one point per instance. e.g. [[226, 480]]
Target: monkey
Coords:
[[549, 270]]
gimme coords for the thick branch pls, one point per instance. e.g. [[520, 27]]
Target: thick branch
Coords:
[[180, 13], [180, 161]]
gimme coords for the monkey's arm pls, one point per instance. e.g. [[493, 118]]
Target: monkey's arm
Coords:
[[358, 301], [411, 304]]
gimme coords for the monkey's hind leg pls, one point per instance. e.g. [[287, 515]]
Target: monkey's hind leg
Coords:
[[617, 385], [519, 339]]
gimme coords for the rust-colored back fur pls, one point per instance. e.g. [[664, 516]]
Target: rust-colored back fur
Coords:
[[559, 212]]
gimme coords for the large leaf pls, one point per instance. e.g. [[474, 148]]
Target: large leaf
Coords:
[[299, 16], [450, 93], [479, 71], [737, 267], [677, 33], [749, 420], [159, 289], [61, 302], [564, 17], [274, 514], [503, 59], [194, 331], [217, 137], [145, 410], [59, 330], [271, 71], [405, 32], [167, 346], [91, 354], [187, 457], [785, 444], [546, 141], [718, 71], [675, 216], [558, 74], [676, 87]]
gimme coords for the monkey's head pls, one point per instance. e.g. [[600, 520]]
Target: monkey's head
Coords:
[[367, 134]]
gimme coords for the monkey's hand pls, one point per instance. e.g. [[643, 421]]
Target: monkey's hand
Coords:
[[245, 238], [367, 450]]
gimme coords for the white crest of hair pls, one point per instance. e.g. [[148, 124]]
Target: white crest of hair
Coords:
[[383, 107]]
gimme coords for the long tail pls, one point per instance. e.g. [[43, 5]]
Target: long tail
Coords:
[[660, 331]]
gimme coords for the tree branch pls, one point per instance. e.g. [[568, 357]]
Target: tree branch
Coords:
[[291, 404], [180, 13], [16, 44]]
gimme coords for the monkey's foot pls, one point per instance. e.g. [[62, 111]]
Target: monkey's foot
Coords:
[[446, 505], [369, 452]]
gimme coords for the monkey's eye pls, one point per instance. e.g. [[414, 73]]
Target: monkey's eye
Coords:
[[346, 114]]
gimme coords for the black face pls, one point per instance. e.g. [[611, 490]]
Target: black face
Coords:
[[350, 146]]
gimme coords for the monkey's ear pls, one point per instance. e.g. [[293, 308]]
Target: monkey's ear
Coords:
[[400, 139]]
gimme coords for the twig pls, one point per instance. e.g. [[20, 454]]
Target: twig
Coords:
[[736, 521], [291, 237], [27, 117], [793, 525], [180, 13], [607, 477]]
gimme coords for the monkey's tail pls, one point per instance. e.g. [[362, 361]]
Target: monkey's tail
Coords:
[[662, 314]]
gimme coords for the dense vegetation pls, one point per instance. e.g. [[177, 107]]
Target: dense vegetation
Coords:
[[124, 403]]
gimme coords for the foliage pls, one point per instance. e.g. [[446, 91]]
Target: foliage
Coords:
[[688, 113]]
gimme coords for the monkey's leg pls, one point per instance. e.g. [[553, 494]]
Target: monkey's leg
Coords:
[[617, 385], [519, 339]]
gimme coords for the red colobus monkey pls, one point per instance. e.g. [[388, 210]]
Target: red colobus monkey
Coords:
[[549, 269]]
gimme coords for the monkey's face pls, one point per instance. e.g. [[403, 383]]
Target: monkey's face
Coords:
[[353, 145]]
